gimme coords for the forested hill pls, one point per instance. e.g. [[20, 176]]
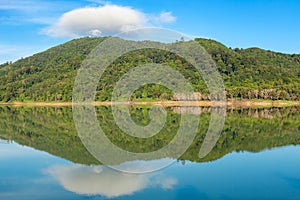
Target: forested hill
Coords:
[[247, 73]]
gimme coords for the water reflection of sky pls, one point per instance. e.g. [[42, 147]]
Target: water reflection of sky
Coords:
[[100, 180], [30, 174]]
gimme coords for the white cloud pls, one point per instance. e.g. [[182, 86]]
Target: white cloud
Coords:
[[100, 180], [107, 20], [95, 32], [165, 17]]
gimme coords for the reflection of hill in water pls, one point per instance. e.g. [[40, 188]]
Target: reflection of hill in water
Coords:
[[268, 113], [52, 130]]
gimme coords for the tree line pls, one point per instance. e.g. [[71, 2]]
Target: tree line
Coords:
[[247, 73]]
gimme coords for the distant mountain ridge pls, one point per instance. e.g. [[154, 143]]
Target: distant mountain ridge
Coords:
[[247, 73]]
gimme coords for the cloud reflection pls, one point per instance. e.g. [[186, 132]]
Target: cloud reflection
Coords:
[[100, 180]]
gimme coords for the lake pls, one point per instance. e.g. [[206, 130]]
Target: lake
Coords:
[[257, 156]]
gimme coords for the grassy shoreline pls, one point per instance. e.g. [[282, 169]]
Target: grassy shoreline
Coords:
[[230, 103]]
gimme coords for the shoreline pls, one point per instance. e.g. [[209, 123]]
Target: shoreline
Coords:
[[230, 103]]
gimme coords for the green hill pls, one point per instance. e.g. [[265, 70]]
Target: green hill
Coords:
[[247, 73]]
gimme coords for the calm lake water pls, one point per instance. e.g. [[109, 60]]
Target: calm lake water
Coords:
[[256, 157]]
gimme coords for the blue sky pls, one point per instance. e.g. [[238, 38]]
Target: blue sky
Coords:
[[30, 26]]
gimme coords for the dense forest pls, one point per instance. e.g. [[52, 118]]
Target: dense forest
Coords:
[[52, 130], [247, 73]]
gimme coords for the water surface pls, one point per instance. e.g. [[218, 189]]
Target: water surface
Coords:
[[256, 157]]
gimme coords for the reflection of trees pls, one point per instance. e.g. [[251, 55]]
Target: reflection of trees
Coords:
[[268, 113], [52, 130]]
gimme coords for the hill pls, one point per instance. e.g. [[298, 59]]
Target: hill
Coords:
[[247, 73]]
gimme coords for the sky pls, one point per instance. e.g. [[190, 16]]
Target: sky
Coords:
[[31, 26]]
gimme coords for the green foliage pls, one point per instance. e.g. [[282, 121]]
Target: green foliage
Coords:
[[248, 74], [255, 73], [46, 76], [53, 130]]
